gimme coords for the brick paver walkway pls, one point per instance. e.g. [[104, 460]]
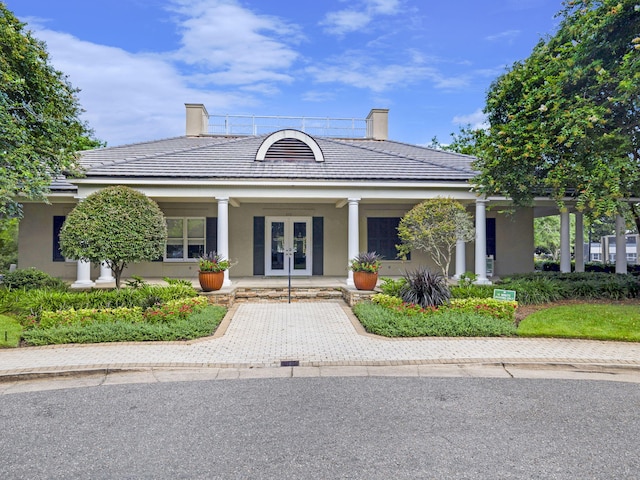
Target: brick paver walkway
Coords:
[[315, 334]]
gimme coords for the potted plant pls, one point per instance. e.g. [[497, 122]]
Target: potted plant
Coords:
[[365, 268], [211, 270]]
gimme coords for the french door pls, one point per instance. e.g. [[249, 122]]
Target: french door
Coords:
[[288, 246]]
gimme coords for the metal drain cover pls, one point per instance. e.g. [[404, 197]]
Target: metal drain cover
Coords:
[[290, 363]]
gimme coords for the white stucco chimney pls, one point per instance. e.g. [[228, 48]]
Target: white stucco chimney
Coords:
[[197, 119], [378, 124]]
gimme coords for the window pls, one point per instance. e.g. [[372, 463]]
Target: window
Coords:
[[491, 237], [596, 257], [631, 257], [382, 236], [185, 238], [58, 221], [631, 240]]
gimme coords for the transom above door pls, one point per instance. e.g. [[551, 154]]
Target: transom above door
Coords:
[[288, 246]]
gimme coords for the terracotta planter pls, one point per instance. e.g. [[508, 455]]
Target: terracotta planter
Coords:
[[210, 281], [365, 280]]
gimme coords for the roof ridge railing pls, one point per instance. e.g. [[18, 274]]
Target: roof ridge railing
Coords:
[[260, 125]]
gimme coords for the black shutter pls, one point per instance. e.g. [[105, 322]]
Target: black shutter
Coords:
[[317, 267], [258, 245], [211, 242], [58, 221]]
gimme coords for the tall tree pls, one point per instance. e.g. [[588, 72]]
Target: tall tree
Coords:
[[40, 130], [565, 122]]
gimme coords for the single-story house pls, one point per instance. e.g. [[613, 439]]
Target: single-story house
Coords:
[[274, 198]]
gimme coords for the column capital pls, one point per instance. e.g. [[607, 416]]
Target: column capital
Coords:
[[353, 200], [222, 199]]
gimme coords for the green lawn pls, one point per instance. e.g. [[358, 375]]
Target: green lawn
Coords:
[[10, 330], [590, 321]]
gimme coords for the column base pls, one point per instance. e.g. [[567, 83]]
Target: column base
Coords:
[[483, 281], [83, 284]]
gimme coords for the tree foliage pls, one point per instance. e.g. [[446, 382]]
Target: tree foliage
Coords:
[[8, 243], [434, 226], [116, 225], [39, 126], [565, 122]]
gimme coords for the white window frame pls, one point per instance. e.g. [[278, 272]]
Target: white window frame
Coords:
[[185, 239]]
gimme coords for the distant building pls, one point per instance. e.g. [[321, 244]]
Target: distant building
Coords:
[[605, 251]]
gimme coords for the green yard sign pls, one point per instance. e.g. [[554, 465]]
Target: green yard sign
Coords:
[[508, 295]]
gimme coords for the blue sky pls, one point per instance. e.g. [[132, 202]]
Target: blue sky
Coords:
[[430, 62]]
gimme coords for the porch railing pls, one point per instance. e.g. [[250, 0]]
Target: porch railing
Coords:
[[317, 126]]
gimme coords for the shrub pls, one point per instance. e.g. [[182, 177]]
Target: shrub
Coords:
[[540, 289], [385, 300], [472, 291], [425, 288], [485, 306], [35, 301], [169, 312], [197, 325], [443, 323], [588, 285], [86, 316], [116, 225], [392, 287], [30, 279], [174, 310]]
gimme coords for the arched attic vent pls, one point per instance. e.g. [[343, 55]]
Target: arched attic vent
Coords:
[[289, 145]]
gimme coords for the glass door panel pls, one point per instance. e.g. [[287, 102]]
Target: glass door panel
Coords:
[[287, 246], [277, 246], [299, 245]]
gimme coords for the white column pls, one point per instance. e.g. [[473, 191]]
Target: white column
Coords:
[[461, 259], [105, 274], [481, 242], [621, 245], [354, 234], [223, 233], [83, 275], [83, 270], [579, 247], [565, 242]]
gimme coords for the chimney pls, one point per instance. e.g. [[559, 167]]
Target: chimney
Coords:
[[197, 119], [378, 124]]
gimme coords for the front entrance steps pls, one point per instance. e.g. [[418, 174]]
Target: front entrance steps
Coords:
[[277, 290]]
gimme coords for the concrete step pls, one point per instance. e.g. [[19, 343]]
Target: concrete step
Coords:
[[279, 294]]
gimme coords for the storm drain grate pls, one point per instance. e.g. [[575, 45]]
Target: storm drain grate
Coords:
[[290, 363]]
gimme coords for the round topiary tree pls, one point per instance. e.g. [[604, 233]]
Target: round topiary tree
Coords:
[[116, 225], [434, 226]]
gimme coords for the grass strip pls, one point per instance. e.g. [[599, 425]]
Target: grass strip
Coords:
[[10, 330], [588, 321]]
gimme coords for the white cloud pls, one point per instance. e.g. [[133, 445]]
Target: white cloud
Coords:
[[318, 96], [345, 21], [476, 119], [233, 45], [507, 35], [132, 97], [384, 7], [128, 97], [360, 70], [358, 16]]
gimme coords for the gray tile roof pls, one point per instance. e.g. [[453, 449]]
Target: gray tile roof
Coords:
[[221, 157]]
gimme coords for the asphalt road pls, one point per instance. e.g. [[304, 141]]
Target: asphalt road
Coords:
[[326, 428]]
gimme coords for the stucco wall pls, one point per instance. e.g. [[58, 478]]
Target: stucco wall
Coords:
[[514, 239]]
